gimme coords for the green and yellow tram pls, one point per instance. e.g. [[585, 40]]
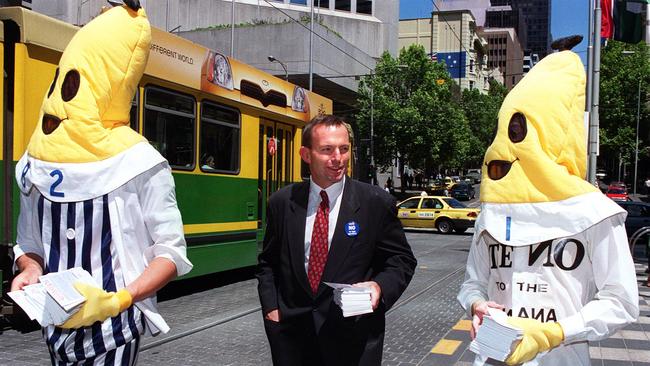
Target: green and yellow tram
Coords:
[[230, 132]]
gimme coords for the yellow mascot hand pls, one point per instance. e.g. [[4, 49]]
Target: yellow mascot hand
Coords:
[[538, 337], [99, 305]]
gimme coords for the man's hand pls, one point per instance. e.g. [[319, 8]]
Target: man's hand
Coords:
[[538, 337], [479, 309], [375, 292], [28, 276], [99, 306], [30, 269], [273, 315]]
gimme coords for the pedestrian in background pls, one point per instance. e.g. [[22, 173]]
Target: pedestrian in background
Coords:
[[329, 229]]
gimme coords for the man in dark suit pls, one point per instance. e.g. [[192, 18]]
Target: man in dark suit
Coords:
[[329, 229]]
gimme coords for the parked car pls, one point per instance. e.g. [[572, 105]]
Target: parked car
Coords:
[[449, 182], [638, 215], [617, 193], [444, 213], [462, 191], [437, 188], [476, 177]]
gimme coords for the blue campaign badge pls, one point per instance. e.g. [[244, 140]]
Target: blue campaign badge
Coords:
[[351, 229]]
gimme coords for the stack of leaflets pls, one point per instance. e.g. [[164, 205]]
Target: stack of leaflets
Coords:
[[54, 299], [352, 300], [496, 338]]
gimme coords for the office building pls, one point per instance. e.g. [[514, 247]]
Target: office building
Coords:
[[505, 53], [450, 37]]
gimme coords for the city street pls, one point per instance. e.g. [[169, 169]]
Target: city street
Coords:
[[223, 325], [216, 320]]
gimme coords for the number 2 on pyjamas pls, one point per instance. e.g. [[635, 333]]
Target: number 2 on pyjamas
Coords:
[[59, 178]]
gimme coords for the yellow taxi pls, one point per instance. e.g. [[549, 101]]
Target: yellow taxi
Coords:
[[444, 213], [449, 182]]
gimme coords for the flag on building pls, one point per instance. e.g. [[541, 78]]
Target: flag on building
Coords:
[[455, 62], [623, 20]]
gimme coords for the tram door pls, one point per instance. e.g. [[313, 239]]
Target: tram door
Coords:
[[276, 157]]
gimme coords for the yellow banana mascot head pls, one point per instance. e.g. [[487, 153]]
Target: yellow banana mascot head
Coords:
[[85, 114], [539, 152]]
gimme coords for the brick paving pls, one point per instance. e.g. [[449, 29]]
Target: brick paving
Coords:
[[629, 346], [428, 315]]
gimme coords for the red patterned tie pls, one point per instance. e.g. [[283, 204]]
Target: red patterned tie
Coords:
[[318, 248]]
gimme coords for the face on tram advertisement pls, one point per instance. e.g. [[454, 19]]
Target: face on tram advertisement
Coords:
[[328, 155]]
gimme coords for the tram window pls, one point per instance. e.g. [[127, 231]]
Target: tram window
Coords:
[[133, 115], [288, 177], [220, 139], [169, 121]]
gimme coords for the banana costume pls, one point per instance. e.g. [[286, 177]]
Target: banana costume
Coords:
[[547, 244], [97, 195]]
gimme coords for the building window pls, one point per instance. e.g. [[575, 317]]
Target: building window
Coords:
[[471, 65], [513, 80], [471, 85], [169, 120], [364, 7], [299, 2], [343, 5], [322, 3], [220, 139]]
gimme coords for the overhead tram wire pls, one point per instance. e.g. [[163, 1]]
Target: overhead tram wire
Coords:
[[368, 67], [318, 35]]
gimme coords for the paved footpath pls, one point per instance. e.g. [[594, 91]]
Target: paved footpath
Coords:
[[629, 346]]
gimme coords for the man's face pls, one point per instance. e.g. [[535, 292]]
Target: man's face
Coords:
[[329, 154]]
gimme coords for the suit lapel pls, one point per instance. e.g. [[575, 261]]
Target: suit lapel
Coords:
[[296, 235], [341, 242]]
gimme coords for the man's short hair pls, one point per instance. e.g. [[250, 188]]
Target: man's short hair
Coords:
[[323, 119]]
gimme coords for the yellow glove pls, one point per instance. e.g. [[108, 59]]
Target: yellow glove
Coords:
[[538, 337], [99, 305]]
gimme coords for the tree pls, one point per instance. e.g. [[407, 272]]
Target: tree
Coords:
[[414, 115], [619, 85], [482, 112]]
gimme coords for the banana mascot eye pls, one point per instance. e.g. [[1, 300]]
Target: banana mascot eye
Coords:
[[70, 85], [517, 129]]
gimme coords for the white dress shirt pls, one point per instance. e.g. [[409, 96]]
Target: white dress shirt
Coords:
[[334, 194]]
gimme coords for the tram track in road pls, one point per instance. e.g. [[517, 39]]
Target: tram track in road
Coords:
[[424, 290], [234, 317], [203, 327]]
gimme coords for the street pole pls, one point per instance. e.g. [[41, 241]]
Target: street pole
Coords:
[[592, 147], [232, 29], [647, 24], [636, 149], [590, 55], [284, 66], [311, 47], [372, 128]]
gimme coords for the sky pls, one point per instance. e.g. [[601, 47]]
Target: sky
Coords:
[[568, 17]]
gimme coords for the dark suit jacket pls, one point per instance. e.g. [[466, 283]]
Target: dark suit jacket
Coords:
[[379, 252]]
